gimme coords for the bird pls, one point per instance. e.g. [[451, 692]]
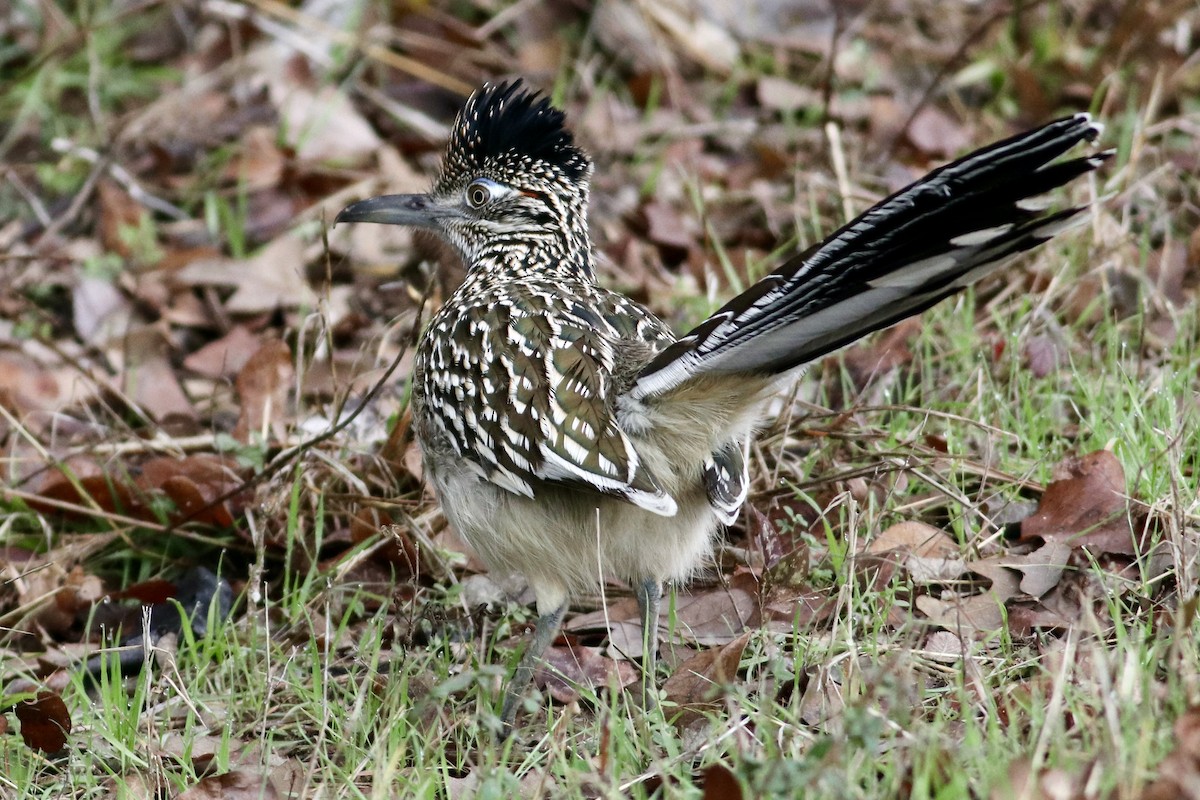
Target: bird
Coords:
[[570, 436]]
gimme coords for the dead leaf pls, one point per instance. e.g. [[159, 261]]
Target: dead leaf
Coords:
[[1043, 355], [1024, 620], [224, 357], [715, 616], [997, 569], [271, 280], [323, 126], [192, 483], [691, 33], [698, 679], [823, 703], [1048, 784], [668, 229], [542, 43], [1041, 569], [928, 554], [720, 783], [571, 665], [934, 133], [100, 311], [983, 613], [946, 643], [118, 214], [261, 163], [1084, 507], [28, 388], [1167, 268], [45, 722], [263, 385], [240, 784], [916, 538]]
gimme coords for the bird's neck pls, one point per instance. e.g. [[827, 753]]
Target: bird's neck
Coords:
[[553, 253]]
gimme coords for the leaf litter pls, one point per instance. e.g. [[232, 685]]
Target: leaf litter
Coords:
[[152, 398]]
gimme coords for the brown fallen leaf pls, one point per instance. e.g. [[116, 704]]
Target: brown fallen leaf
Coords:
[[934, 133], [148, 376], [1041, 569], [1024, 620], [781, 94], [621, 621], [129, 488], [715, 616], [239, 784], [45, 722], [100, 312], [33, 392], [720, 783], [263, 385], [572, 665], [699, 679], [668, 229], [83, 483], [982, 612], [260, 163], [119, 213], [1085, 507], [927, 553], [226, 356], [272, 279], [1044, 354], [322, 123]]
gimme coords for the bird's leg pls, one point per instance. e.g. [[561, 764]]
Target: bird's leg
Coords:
[[649, 595], [543, 634]]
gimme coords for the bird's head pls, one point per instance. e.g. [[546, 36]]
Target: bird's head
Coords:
[[512, 176]]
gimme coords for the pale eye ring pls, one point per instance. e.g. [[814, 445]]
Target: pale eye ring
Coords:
[[479, 193]]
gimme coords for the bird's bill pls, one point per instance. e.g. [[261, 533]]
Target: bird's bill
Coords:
[[417, 210]]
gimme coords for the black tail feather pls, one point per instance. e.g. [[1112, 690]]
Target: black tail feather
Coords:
[[900, 257]]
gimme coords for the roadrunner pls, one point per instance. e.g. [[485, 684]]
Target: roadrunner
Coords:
[[570, 436]]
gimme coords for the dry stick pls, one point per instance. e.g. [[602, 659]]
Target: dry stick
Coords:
[[119, 174], [77, 202], [285, 457], [839, 28]]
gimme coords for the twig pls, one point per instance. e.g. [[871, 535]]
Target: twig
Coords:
[[121, 176], [77, 203], [35, 203]]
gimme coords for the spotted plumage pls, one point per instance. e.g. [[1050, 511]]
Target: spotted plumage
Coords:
[[519, 379], [568, 434]]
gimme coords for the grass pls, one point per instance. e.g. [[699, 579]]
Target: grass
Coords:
[[338, 677]]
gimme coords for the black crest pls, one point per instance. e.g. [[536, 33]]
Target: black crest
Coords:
[[506, 120]]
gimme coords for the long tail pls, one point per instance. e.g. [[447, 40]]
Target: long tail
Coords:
[[922, 244]]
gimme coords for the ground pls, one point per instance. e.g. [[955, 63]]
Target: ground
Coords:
[[968, 565]]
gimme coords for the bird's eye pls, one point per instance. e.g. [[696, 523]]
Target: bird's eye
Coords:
[[480, 192]]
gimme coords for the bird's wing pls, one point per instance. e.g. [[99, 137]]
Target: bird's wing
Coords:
[[536, 406]]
